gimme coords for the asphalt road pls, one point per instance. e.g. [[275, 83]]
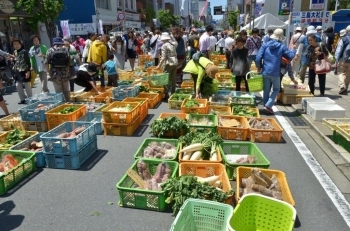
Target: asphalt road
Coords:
[[87, 199]]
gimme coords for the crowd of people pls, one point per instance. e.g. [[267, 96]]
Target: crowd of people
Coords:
[[82, 62]]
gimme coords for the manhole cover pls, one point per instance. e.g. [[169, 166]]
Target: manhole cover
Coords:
[[298, 121]]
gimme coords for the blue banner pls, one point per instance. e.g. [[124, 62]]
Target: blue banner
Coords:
[[284, 7]]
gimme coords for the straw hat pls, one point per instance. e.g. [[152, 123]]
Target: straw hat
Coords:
[[342, 33], [298, 29], [277, 35], [211, 70]]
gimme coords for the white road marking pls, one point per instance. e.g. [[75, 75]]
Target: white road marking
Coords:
[[326, 182]]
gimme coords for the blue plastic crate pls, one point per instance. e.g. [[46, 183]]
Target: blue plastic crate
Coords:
[[121, 92], [240, 93], [68, 146], [149, 64], [44, 97], [71, 161], [96, 119], [40, 158], [32, 113]]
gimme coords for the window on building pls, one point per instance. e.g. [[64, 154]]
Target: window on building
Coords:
[[131, 4], [120, 3], [103, 4], [126, 4]]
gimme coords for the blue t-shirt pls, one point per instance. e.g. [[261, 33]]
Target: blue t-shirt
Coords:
[[110, 67]]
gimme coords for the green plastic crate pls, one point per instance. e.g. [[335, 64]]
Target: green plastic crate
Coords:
[[158, 80], [246, 101], [205, 215], [258, 212], [141, 198], [146, 142], [239, 148], [26, 165], [203, 128], [339, 138], [176, 104]]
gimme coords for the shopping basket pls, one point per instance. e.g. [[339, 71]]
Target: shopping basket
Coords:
[[255, 82]]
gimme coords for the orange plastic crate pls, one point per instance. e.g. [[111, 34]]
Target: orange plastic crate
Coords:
[[143, 106], [106, 97], [267, 136], [224, 75], [195, 110], [144, 58], [9, 123], [234, 133], [110, 116], [86, 97], [102, 89], [54, 118], [245, 172], [219, 110], [159, 90], [154, 70], [116, 129], [206, 170], [153, 98], [187, 84]]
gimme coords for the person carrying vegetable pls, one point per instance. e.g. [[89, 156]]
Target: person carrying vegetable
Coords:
[[85, 77], [199, 67]]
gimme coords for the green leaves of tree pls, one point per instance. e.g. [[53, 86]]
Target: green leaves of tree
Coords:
[[232, 18], [167, 19]]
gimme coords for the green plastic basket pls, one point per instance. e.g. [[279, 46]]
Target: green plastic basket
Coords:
[[340, 138], [26, 165], [158, 80], [140, 198], [185, 91], [245, 101], [239, 148], [255, 82], [258, 212], [205, 215], [146, 142], [203, 128]]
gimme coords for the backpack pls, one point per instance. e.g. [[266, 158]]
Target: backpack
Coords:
[[346, 50], [196, 56], [152, 45], [59, 58]]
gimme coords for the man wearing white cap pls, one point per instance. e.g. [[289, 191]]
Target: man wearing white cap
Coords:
[[301, 52], [342, 59], [295, 41]]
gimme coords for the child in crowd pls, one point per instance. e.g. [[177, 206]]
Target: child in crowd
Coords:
[[112, 71]]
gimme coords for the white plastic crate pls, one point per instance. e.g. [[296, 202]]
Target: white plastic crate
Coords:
[[319, 111], [305, 103]]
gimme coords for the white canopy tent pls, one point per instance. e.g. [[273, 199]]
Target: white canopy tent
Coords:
[[266, 21]]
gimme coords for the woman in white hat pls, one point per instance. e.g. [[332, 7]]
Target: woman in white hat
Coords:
[[295, 40], [169, 60]]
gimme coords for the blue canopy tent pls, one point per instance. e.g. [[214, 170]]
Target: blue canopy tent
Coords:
[[341, 19]]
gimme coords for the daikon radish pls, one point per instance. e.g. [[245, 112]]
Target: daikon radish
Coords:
[[213, 153], [187, 155], [193, 148], [196, 155], [218, 184], [210, 180]]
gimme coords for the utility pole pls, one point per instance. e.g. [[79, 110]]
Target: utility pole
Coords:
[[252, 10], [123, 10], [324, 14], [336, 5]]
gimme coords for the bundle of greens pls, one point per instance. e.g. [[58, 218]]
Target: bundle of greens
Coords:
[[143, 89], [172, 123], [209, 86], [243, 111], [179, 189], [68, 110], [14, 137]]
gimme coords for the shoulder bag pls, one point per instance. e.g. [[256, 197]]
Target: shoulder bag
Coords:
[[323, 66]]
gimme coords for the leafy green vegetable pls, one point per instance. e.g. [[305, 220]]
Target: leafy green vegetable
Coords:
[[204, 138], [209, 86], [68, 110], [172, 123], [143, 88], [191, 103], [179, 189], [243, 111], [14, 137], [180, 97]]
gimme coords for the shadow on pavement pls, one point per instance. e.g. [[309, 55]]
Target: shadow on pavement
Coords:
[[297, 223], [93, 160], [147, 119], [7, 220], [335, 96], [140, 130], [20, 184]]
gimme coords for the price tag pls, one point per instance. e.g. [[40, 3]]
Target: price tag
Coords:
[[138, 180]]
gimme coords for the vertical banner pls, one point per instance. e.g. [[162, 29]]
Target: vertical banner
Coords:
[[259, 7], [65, 28], [316, 4], [284, 7], [100, 26]]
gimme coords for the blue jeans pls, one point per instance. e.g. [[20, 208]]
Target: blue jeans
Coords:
[[251, 58], [274, 82]]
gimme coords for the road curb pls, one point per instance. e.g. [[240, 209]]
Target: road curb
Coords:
[[342, 152]]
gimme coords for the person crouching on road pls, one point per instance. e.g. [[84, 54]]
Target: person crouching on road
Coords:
[[269, 60], [198, 68], [112, 71], [85, 77]]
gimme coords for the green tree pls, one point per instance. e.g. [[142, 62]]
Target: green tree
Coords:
[[45, 11], [343, 4], [232, 17], [197, 24], [150, 14], [167, 19]]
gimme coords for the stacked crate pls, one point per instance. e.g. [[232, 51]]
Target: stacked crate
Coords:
[[121, 123], [124, 91], [69, 152], [55, 118], [33, 116]]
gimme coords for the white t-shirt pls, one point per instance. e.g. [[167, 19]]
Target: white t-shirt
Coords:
[[255, 51]]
